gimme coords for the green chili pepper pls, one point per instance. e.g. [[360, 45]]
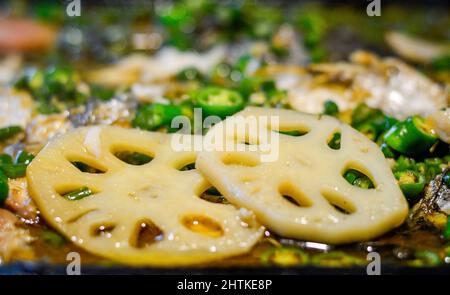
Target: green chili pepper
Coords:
[[425, 258], [411, 183], [351, 175], [363, 182], [433, 161], [14, 170], [10, 131], [134, 158], [368, 130], [155, 116], [446, 159], [330, 108], [248, 86], [420, 168], [431, 172], [53, 238], [354, 177], [251, 85], [57, 79], [441, 63], [336, 259], [213, 195], [242, 63], [363, 113], [189, 74], [78, 194], [36, 80], [101, 92], [4, 188], [404, 163], [5, 159], [411, 137], [268, 86], [216, 101], [446, 233], [335, 141], [221, 73], [446, 178], [284, 256], [389, 122], [387, 151], [24, 158]]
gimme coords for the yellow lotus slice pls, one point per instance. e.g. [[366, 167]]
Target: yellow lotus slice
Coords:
[[302, 192], [148, 214]]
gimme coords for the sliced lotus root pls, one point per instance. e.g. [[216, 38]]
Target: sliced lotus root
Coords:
[[303, 194], [144, 211]]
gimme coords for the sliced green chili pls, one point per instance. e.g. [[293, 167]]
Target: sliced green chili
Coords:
[[336, 259], [155, 116], [354, 177], [4, 188], [446, 233], [404, 163], [363, 113], [189, 74], [101, 92], [78, 194], [387, 151], [335, 141], [133, 158], [24, 158], [52, 238], [411, 182], [411, 137], [216, 101], [446, 178], [214, 196], [426, 258], [330, 108], [284, 256], [8, 132], [14, 170], [368, 130], [5, 159]]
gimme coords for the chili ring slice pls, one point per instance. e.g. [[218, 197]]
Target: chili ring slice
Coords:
[[135, 212], [303, 194]]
